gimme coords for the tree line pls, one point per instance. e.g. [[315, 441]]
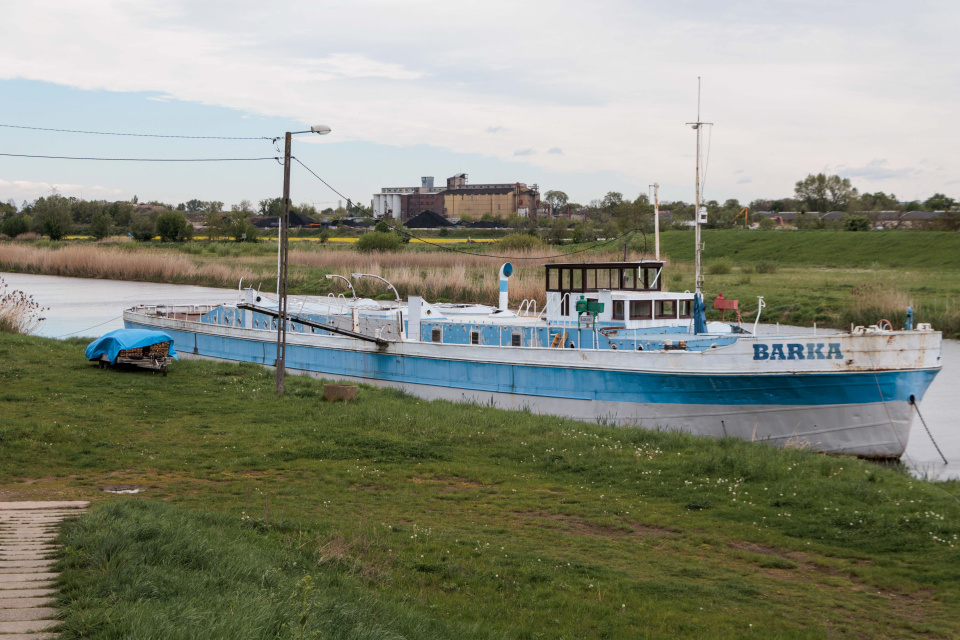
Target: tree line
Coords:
[[57, 216]]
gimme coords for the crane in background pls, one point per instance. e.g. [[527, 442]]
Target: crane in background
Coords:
[[745, 212]]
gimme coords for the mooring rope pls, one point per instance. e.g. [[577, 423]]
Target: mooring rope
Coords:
[[73, 333], [924, 423]]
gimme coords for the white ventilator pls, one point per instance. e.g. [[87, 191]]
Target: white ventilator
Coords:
[[505, 272]]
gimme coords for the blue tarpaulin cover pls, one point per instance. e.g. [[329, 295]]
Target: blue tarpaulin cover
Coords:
[[114, 342]]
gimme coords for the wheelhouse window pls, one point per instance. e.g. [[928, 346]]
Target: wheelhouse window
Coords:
[[603, 279], [581, 278], [666, 308], [686, 308], [640, 309], [651, 279], [618, 309]]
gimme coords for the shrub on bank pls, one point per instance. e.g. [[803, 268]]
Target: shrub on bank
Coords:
[[173, 226], [378, 241], [14, 226], [520, 242], [719, 267]]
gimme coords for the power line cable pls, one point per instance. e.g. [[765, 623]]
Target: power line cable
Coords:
[[319, 178], [137, 135], [487, 255], [25, 155]]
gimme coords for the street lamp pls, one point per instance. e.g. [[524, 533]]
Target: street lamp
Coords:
[[319, 129]]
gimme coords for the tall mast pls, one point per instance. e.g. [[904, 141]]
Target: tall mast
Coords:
[[656, 220], [698, 264]]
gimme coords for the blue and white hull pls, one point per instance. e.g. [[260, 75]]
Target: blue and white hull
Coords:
[[849, 393]]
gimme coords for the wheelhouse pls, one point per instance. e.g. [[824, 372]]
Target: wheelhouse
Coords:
[[632, 293]]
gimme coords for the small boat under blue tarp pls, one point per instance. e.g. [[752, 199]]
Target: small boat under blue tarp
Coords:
[[139, 347]]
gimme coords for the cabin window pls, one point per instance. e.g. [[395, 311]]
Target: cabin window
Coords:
[[436, 334], [640, 309], [256, 324], [553, 279], [273, 324], [629, 278], [515, 340], [618, 309], [651, 281], [686, 307], [666, 309], [474, 337], [603, 279]]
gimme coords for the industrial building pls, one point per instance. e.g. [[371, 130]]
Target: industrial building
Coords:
[[457, 199]]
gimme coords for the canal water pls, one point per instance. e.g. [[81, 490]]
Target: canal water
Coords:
[[84, 307]]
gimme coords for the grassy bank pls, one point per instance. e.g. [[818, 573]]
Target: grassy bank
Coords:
[[393, 516]]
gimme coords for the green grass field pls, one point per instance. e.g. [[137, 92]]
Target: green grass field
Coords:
[[823, 248], [392, 517]]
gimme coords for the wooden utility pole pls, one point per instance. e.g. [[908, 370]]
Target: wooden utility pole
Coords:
[[282, 289]]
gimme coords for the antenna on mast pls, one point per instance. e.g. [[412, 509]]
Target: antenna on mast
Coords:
[[700, 215]]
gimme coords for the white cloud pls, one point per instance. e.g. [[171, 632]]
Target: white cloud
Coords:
[[876, 170], [792, 87], [20, 190]]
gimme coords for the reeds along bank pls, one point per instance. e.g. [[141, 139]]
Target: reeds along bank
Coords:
[[113, 263]]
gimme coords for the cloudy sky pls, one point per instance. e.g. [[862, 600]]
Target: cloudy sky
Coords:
[[582, 97]]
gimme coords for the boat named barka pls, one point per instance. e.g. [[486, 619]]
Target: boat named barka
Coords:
[[610, 345]]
